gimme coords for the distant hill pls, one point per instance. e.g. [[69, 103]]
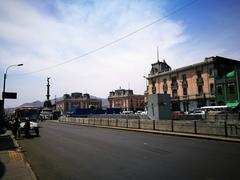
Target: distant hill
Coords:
[[33, 104]]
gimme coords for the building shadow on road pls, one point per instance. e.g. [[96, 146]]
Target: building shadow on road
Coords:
[[28, 137], [2, 169], [6, 143]]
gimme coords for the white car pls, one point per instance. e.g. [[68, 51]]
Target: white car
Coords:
[[46, 113], [144, 113], [34, 127], [127, 112], [197, 112]]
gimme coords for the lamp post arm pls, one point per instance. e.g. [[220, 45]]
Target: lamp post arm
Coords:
[[9, 67], [5, 77]]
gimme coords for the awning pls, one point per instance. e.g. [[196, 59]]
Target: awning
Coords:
[[231, 74], [233, 105]]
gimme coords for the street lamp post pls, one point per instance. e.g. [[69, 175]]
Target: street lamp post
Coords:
[[4, 84], [146, 82], [146, 94]]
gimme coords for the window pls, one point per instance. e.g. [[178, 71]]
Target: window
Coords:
[[153, 86], [212, 89], [184, 91], [184, 77], [231, 89], [211, 72], [174, 79], [200, 90], [165, 86], [199, 74], [174, 93], [219, 89]]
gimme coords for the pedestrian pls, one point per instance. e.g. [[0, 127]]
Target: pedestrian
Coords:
[[16, 128], [27, 128]]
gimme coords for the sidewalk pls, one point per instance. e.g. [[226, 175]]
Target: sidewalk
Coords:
[[12, 163]]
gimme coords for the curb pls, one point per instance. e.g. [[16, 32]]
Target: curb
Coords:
[[218, 138], [18, 149]]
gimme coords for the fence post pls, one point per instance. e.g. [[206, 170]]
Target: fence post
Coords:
[[139, 127], [100, 122], [93, 121], [195, 127], [172, 125], [154, 127], [127, 123], [225, 127], [226, 116], [108, 121], [116, 122]]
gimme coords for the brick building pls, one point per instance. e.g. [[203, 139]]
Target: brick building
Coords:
[[77, 100], [194, 85], [126, 100]]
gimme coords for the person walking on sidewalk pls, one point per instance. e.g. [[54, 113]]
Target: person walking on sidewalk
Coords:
[[27, 128], [16, 128]]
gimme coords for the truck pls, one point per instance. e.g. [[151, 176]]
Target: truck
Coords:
[[31, 114]]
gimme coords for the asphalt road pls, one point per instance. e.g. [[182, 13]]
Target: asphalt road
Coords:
[[78, 152]]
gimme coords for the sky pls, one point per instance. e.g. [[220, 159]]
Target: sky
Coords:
[[44, 35]]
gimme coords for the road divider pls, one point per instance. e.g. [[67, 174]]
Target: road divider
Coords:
[[197, 129]]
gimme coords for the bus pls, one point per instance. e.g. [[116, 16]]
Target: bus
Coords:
[[31, 114], [213, 110]]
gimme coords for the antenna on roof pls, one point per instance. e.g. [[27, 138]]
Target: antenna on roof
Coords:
[[157, 54], [128, 86]]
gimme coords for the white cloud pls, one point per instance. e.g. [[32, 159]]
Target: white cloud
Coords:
[[39, 40]]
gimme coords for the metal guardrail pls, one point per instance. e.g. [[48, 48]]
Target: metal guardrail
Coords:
[[216, 128]]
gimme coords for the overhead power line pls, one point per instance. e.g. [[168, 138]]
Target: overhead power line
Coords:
[[116, 40]]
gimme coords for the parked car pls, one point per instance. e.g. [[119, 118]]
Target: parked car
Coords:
[[197, 112], [177, 114], [46, 114], [127, 112]]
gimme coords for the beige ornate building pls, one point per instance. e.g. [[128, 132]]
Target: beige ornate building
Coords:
[[126, 100], [77, 100], [189, 87]]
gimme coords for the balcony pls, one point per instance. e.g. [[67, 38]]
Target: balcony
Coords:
[[200, 95], [175, 98], [220, 80], [174, 85], [200, 81]]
